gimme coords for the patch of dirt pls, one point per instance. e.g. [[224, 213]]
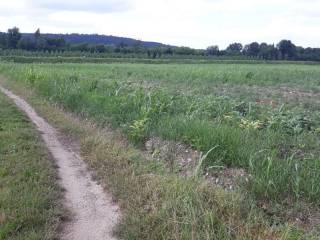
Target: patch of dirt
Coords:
[[185, 159], [288, 92], [93, 213], [228, 178], [2, 218], [267, 94], [302, 215], [176, 155]]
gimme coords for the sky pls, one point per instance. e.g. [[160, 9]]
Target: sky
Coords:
[[193, 23]]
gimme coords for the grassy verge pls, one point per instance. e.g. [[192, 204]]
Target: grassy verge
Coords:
[[29, 196], [157, 204]]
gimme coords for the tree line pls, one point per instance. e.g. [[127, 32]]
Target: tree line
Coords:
[[284, 50]]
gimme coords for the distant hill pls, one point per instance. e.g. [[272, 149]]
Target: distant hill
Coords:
[[76, 38]]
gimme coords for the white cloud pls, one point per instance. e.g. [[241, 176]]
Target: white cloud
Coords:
[[97, 6], [195, 23]]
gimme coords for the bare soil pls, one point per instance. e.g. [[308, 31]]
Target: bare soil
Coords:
[[174, 154], [93, 213], [184, 159], [269, 95]]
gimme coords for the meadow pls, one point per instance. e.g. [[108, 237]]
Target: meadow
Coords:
[[262, 118]]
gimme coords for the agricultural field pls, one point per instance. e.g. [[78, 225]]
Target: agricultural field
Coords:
[[251, 133]]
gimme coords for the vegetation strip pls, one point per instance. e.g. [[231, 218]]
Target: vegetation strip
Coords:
[[186, 207], [109, 46], [30, 206], [93, 213]]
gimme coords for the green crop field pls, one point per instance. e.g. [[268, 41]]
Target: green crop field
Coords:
[[261, 118]]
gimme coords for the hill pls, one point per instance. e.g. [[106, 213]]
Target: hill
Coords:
[[76, 38]]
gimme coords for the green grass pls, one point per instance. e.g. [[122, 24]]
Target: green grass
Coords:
[[108, 94], [29, 196], [155, 203], [197, 77], [277, 144]]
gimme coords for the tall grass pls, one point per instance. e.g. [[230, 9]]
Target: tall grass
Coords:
[[261, 139]]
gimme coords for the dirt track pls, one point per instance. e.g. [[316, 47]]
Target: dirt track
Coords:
[[93, 213]]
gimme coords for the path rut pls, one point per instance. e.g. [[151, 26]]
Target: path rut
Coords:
[[93, 213]]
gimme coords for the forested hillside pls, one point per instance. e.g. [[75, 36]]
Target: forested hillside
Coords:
[[76, 38]]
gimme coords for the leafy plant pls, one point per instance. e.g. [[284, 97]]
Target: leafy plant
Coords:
[[138, 130]]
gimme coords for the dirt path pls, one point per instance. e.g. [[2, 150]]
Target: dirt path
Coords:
[[93, 213]]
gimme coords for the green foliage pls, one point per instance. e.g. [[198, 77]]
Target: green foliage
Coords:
[[13, 37], [138, 130]]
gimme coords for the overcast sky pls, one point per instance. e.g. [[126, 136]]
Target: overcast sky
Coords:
[[194, 23]]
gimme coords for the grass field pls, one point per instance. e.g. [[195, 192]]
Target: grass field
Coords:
[[29, 197], [263, 118]]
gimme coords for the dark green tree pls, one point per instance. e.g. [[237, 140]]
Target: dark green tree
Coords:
[[212, 50], [3, 40], [234, 48], [54, 44], [13, 37], [37, 34], [287, 49], [252, 49], [168, 51], [26, 43], [268, 52]]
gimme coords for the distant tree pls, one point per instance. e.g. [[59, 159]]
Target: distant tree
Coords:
[[41, 43], [3, 40], [154, 54], [234, 48], [307, 54], [287, 49], [83, 47], [137, 45], [53, 44], [168, 51], [268, 51], [184, 51], [37, 34], [100, 48], [13, 37], [252, 49], [26, 43], [212, 50]]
